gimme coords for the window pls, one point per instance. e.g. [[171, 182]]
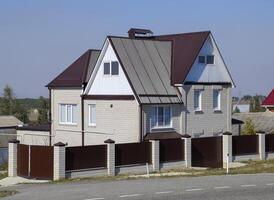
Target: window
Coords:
[[216, 100], [201, 59], [162, 117], [111, 68], [114, 68], [67, 114], [92, 114], [106, 68], [197, 100], [210, 59]]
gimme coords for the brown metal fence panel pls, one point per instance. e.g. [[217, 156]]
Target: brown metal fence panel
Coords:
[[244, 145], [41, 162], [132, 153], [207, 152], [23, 160], [269, 143], [86, 157], [172, 150]]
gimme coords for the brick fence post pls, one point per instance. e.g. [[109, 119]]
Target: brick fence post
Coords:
[[12, 160], [155, 155], [261, 135], [110, 157], [187, 145], [227, 148], [59, 161]]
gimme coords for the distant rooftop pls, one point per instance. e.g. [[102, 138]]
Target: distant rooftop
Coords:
[[9, 121]]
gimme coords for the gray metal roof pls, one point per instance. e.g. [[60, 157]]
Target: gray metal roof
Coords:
[[92, 62], [147, 64], [9, 121]]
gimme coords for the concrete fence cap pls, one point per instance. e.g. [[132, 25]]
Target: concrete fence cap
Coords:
[[59, 144], [15, 141], [260, 132], [227, 133], [186, 136], [109, 141]]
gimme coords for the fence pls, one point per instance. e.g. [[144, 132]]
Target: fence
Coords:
[[86, 157], [244, 145], [171, 150], [132, 153], [269, 143]]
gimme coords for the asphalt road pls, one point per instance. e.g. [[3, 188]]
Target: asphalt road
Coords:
[[240, 187]]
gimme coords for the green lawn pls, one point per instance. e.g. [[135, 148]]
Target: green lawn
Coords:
[[5, 193]]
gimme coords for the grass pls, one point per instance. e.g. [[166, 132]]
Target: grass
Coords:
[[6, 193], [4, 169], [252, 167]]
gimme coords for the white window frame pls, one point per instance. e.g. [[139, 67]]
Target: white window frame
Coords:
[[157, 126], [110, 70], [199, 108], [218, 108], [66, 122], [89, 113]]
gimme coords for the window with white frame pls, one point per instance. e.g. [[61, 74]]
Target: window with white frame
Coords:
[[197, 100], [216, 99], [162, 117], [92, 114], [111, 68], [67, 114]]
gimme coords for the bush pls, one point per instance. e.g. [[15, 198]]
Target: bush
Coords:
[[249, 128]]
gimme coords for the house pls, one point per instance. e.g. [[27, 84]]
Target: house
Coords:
[[8, 124], [268, 103], [143, 87]]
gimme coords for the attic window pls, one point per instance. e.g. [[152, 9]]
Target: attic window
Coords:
[[202, 59], [111, 68], [106, 68], [210, 59]]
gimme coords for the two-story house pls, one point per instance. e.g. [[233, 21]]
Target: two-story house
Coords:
[[143, 87]]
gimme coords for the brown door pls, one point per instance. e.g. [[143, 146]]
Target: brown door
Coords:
[[23, 160], [207, 152]]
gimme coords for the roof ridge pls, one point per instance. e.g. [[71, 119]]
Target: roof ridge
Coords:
[[179, 34]]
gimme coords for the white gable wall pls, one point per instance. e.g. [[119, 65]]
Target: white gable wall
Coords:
[[207, 72], [109, 84]]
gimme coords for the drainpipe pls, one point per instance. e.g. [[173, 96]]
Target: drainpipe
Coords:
[[141, 123], [50, 116], [82, 116]]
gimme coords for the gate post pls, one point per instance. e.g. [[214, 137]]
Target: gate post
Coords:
[[261, 135], [187, 140], [110, 157], [59, 161], [227, 148], [155, 157], [12, 160]]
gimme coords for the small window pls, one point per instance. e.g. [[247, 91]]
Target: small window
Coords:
[[216, 100], [210, 59], [92, 115], [67, 114], [114, 68], [162, 117], [201, 59], [197, 100], [106, 68]]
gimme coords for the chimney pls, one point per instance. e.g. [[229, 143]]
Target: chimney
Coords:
[[137, 32]]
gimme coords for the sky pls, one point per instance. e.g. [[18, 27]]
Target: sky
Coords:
[[39, 39]]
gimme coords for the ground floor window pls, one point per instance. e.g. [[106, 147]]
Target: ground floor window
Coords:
[[162, 117], [67, 114], [92, 114]]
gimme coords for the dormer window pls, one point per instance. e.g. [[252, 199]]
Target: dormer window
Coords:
[[210, 59], [201, 59], [111, 68]]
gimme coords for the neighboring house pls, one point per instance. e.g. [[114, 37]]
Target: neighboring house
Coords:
[[268, 103], [263, 121], [8, 125], [237, 126], [143, 87], [243, 108]]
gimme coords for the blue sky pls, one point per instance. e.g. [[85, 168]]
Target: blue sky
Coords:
[[38, 39]]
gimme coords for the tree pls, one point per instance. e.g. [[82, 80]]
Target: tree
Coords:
[[43, 109], [255, 104], [236, 110], [249, 128]]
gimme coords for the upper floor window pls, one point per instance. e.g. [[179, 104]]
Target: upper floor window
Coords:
[[197, 100], [201, 59], [210, 59], [216, 99], [162, 117], [67, 114], [111, 68], [92, 114]]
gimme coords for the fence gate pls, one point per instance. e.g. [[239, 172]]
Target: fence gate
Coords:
[[207, 152], [23, 160]]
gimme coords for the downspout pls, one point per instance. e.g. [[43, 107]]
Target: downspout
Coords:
[[50, 116], [82, 116], [141, 123]]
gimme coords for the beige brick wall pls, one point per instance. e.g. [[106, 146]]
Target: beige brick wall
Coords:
[[121, 122]]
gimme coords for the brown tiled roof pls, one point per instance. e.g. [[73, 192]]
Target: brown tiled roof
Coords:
[[162, 136], [35, 127], [77, 73], [186, 47]]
